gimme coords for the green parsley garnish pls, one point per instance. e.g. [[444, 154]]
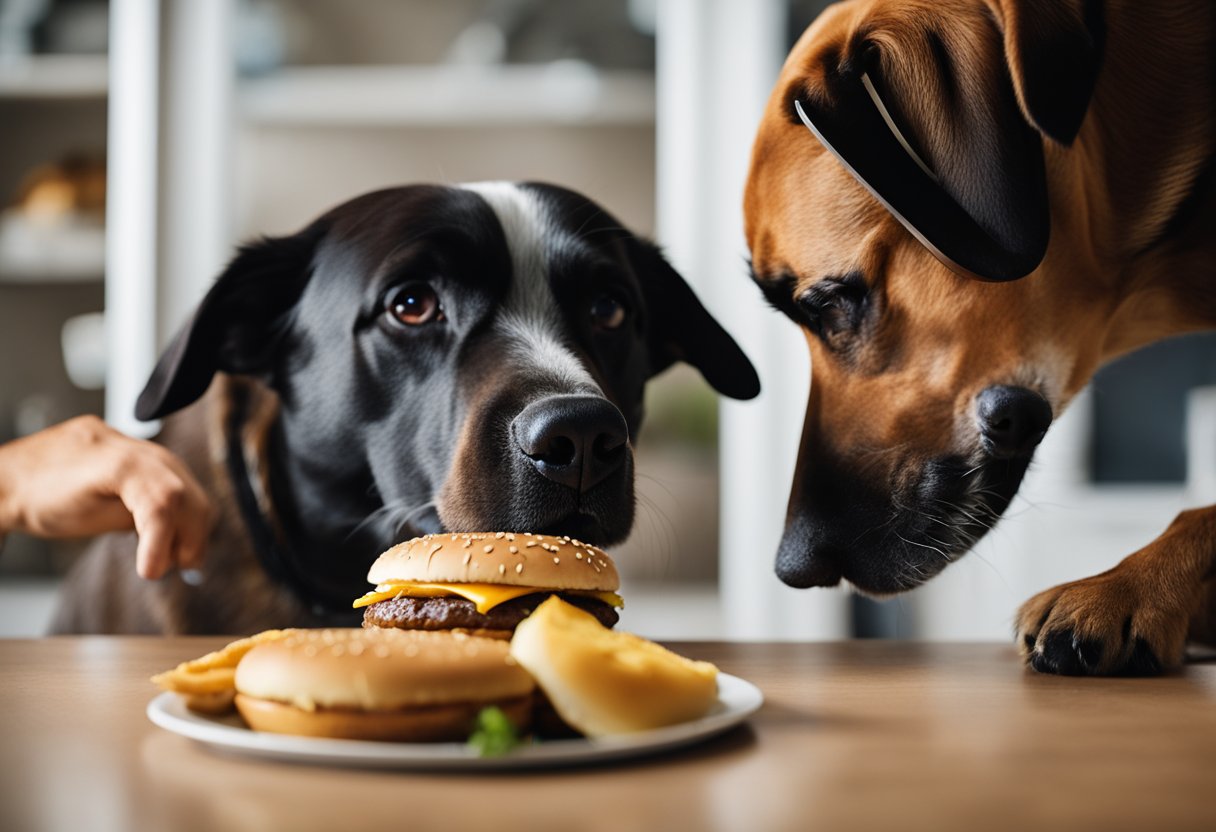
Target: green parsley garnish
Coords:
[[494, 735]]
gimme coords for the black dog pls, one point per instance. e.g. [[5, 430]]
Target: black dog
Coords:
[[440, 358]]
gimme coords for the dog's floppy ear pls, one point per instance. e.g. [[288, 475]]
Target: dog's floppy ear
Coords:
[[236, 326], [1054, 52], [679, 328], [941, 121]]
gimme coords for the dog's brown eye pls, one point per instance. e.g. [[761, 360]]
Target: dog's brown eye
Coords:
[[608, 312], [413, 304], [833, 308]]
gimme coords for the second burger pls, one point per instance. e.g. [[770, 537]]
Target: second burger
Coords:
[[486, 583]]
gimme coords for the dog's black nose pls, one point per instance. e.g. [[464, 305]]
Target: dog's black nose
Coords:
[[573, 440], [1012, 420]]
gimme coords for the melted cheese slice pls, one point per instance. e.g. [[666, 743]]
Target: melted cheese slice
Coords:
[[485, 596]]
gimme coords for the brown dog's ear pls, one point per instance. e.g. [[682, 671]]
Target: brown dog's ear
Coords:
[[236, 326], [1054, 52], [925, 114], [679, 328]]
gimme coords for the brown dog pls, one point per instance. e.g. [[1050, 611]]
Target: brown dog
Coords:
[[993, 198]]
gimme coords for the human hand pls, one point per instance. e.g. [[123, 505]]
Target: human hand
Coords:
[[82, 477]]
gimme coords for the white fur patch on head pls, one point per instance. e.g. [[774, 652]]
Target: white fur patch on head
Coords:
[[529, 317]]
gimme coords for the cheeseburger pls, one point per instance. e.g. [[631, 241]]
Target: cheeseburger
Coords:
[[485, 584], [379, 684]]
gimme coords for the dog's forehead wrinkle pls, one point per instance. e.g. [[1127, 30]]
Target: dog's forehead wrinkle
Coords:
[[529, 318]]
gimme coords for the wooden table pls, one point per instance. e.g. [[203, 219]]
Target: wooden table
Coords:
[[860, 735]]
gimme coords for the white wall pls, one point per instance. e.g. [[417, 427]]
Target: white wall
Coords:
[[717, 62]]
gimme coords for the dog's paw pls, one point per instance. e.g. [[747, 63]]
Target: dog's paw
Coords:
[[1101, 626]]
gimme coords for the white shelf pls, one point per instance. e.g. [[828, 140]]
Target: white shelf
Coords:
[[32, 253], [54, 76], [443, 96], [37, 275]]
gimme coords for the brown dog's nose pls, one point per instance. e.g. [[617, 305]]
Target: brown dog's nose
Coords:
[[804, 559], [1012, 420], [577, 441]]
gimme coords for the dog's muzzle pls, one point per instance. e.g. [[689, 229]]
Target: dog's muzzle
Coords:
[[895, 532]]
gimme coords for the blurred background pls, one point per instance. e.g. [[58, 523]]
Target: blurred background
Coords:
[[141, 139]]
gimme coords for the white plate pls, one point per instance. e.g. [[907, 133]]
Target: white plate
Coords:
[[737, 700]]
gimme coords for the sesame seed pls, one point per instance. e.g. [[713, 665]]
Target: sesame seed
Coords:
[[578, 555], [337, 649], [510, 536], [468, 543], [557, 560], [356, 648], [310, 650], [499, 535], [381, 651], [436, 548], [527, 534], [513, 550], [519, 568], [468, 556], [502, 569], [529, 544], [488, 548]]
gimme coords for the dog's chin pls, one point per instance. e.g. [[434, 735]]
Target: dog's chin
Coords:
[[953, 506]]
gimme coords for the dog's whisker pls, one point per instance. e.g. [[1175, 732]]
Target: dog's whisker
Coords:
[[661, 531], [397, 513], [963, 510], [662, 525], [372, 517], [405, 520], [924, 546]]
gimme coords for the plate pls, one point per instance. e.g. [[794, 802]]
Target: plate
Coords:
[[737, 700]]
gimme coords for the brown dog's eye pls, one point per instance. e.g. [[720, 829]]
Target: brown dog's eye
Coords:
[[608, 312], [413, 304], [834, 307]]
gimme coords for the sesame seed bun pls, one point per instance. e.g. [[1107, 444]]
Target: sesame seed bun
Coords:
[[405, 686], [506, 558]]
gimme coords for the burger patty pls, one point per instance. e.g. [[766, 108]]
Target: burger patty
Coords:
[[448, 613]]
